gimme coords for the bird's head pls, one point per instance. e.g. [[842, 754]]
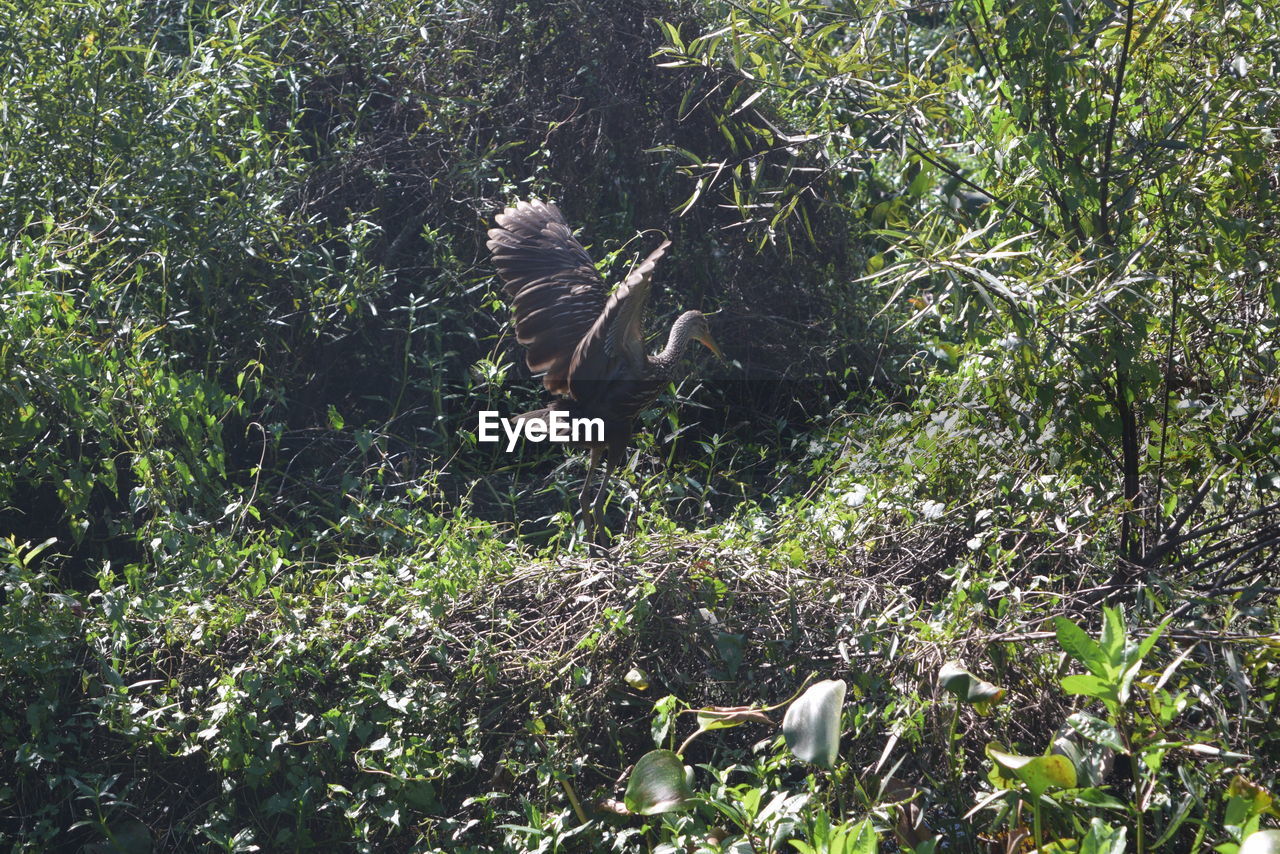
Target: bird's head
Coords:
[[701, 332]]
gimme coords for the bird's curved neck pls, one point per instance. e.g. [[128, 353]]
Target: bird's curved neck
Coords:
[[677, 342]]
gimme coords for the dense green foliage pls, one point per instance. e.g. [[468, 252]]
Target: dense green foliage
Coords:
[[992, 467]]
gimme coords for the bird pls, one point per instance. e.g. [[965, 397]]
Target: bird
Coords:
[[587, 343]]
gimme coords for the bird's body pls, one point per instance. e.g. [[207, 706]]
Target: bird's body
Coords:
[[588, 343]]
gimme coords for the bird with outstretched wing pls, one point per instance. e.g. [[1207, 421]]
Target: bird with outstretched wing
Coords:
[[588, 344]]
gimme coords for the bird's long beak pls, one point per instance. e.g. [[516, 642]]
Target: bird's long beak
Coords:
[[712, 346]]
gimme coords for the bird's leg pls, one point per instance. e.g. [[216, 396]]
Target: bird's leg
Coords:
[[588, 519], [597, 510]]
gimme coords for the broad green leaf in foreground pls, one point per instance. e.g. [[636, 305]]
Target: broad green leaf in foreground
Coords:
[[857, 838], [1038, 773], [658, 784], [969, 688], [1258, 799], [862, 839], [1112, 660], [812, 723], [1098, 731], [1088, 686], [1102, 838], [1081, 647]]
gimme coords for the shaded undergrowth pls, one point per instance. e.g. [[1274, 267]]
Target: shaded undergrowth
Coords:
[[441, 696]]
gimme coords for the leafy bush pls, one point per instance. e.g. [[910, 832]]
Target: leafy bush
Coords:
[[993, 457]]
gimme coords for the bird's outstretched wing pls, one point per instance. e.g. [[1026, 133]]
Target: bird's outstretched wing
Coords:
[[555, 290], [613, 349]]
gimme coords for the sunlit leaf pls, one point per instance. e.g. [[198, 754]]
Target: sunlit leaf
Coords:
[[723, 717], [657, 784], [1102, 838], [967, 687], [1088, 686], [1262, 799], [812, 723], [637, 679], [1080, 646], [1261, 842], [664, 714], [1098, 731], [861, 838], [1038, 773], [1096, 797]]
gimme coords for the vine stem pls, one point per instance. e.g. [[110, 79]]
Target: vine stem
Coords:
[[1109, 146], [1168, 375], [1140, 831], [1135, 765], [952, 765]]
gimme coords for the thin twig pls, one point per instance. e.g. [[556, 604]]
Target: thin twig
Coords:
[[1109, 146]]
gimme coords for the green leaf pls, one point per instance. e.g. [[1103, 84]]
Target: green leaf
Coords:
[[862, 839], [1112, 640], [1095, 797], [730, 646], [1037, 773], [1088, 686], [921, 183], [657, 784], [812, 723], [1103, 839], [1080, 646], [664, 713], [1150, 640], [1097, 730], [1259, 799], [1134, 662], [724, 717], [969, 688]]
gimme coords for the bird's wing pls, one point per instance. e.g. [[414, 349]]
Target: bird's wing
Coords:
[[614, 346], [555, 291]]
